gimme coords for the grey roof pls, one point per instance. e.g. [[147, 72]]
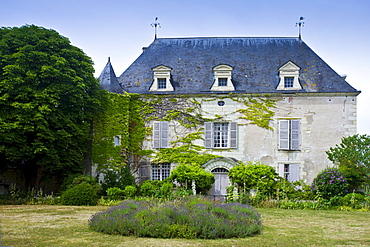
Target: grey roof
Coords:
[[108, 79], [255, 62]]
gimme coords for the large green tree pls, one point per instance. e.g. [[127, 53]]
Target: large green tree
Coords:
[[352, 156], [48, 97]]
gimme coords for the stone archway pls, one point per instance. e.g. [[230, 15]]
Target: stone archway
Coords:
[[220, 167]]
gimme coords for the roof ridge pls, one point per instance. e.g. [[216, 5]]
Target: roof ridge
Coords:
[[231, 37]]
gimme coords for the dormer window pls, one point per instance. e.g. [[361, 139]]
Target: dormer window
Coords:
[[222, 82], [222, 78], [288, 76], [288, 82], [162, 79], [162, 83]]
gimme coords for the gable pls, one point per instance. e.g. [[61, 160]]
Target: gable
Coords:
[[289, 66]]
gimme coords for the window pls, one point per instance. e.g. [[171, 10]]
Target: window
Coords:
[[289, 134], [161, 171], [160, 134], [288, 77], [289, 171], [117, 140], [222, 82], [288, 81], [222, 78], [220, 135], [162, 83], [161, 79]]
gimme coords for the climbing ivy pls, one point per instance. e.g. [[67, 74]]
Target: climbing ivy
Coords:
[[122, 119], [129, 115], [113, 122], [258, 110]]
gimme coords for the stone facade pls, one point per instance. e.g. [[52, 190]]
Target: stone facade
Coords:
[[315, 107]]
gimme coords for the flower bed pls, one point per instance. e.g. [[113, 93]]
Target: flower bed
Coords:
[[195, 218]]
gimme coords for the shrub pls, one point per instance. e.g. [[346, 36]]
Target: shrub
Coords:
[[297, 190], [77, 179], [180, 219], [130, 191], [330, 182], [165, 190], [81, 194], [254, 175], [147, 188], [186, 173], [117, 178], [182, 192], [353, 200], [114, 193]]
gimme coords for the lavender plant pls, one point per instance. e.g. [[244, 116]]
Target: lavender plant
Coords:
[[179, 219]]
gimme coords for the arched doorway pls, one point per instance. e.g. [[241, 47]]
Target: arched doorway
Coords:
[[221, 182], [220, 168]]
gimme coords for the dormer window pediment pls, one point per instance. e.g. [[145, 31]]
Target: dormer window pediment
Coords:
[[222, 78], [288, 77], [162, 79]]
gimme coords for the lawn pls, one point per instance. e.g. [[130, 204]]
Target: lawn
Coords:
[[39, 225]]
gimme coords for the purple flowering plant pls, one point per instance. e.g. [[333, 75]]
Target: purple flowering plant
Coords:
[[186, 218], [329, 183]]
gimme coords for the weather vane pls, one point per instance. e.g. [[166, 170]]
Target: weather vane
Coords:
[[155, 24], [300, 24]]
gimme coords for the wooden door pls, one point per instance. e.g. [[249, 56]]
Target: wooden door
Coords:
[[221, 182]]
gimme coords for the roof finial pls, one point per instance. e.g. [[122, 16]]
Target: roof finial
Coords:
[[300, 24], [155, 24]]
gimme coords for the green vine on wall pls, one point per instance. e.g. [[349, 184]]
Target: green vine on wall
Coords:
[[128, 115], [122, 118], [258, 110], [113, 122]]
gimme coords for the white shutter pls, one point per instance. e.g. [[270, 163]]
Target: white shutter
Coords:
[[233, 135], [284, 134], [293, 172], [281, 170], [294, 134], [164, 134], [156, 134], [208, 126]]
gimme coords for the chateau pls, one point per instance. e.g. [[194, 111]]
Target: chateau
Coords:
[[272, 100]]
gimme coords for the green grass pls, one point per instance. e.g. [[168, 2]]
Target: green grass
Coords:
[[41, 225]]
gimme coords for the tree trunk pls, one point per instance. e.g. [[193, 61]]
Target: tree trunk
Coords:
[[31, 175], [87, 166]]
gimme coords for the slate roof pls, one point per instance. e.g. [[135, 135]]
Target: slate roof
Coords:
[[108, 79], [255, 62]]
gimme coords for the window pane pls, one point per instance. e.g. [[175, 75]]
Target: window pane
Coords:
[[220, 134], [155, 172], [161, 83], [165, 171], [161, 171], [116, 141], [286, 171], [222, 82], [288, 81]]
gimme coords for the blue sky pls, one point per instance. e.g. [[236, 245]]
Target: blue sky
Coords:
[[337, 30]]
